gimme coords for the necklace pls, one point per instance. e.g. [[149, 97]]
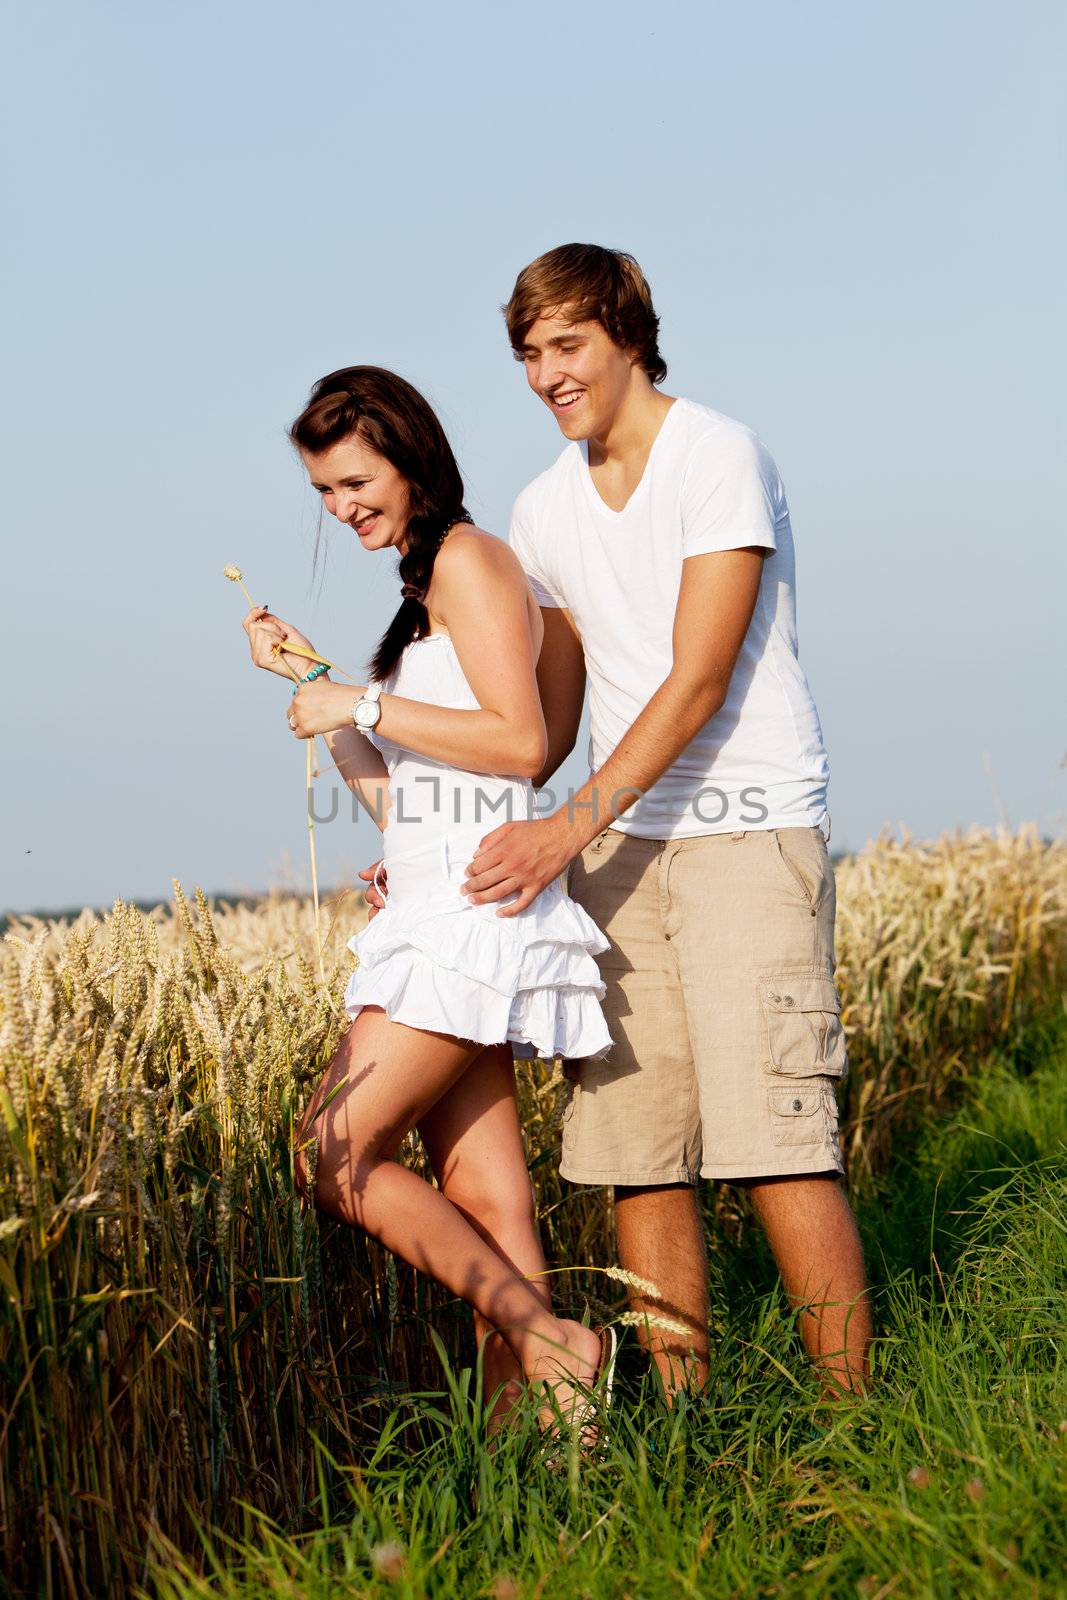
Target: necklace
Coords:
[[410, 591], [464, 516]]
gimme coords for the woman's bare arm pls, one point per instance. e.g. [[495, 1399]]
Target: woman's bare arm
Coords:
[[480, 592], [359, 763], [363, 770]]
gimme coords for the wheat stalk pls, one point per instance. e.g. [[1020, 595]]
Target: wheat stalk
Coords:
[[234, 574]]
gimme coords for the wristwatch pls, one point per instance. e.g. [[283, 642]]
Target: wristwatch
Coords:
[[368, 708]]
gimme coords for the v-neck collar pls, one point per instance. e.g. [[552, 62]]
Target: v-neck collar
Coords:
[[587, 476]]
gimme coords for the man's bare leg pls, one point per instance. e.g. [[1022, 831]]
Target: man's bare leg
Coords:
[[661, 1238], [816, 1243]]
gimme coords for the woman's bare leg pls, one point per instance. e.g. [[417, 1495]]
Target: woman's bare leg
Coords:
[[380, 1084], [474, 1143]]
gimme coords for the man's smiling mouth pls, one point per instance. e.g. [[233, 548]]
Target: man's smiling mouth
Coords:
[[569, 398]]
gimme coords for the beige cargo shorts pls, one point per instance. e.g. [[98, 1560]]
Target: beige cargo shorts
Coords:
[[722, 1007]]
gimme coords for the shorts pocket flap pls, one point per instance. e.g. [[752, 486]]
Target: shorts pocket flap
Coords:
[[801, 993], [802, 1015], [803, 1101]]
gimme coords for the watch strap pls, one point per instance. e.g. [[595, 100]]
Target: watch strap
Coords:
[[371, 695]]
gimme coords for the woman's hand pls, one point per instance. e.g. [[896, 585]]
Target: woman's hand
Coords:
[[264, 630], [373, 896], [321, 707]]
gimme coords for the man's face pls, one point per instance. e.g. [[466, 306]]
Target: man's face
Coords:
[[578, 371]]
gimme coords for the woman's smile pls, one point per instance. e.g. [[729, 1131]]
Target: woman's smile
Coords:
[[346, 471]]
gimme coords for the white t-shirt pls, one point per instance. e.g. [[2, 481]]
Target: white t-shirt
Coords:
[[708, 484]]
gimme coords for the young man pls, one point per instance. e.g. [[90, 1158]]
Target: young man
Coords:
[[659, 547]]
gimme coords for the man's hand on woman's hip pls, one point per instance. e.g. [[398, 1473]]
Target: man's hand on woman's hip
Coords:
[[521, 859]]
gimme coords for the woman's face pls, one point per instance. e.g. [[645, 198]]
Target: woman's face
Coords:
[[361, 488]]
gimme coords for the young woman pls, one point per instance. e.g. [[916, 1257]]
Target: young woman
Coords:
[[441, 747]]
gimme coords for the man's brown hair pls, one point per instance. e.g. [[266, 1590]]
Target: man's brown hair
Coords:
[[591, 284]]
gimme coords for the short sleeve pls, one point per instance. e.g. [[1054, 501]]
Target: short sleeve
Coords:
[[521, 540], [731, 492]]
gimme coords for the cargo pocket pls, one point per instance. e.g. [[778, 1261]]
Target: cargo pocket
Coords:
[[803, 1114], [805, 1038]]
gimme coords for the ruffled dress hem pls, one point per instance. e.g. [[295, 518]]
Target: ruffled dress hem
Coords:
[[447, 966]]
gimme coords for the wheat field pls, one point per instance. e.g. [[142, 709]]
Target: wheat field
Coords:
[[180, 1338]]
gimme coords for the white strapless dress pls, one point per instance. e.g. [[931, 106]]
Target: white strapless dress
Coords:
[[432, 959]]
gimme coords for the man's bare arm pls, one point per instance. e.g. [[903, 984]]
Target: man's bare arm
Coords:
[[716, 600], [561, 684]]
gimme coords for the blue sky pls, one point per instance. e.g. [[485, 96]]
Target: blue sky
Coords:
[[852, 219]]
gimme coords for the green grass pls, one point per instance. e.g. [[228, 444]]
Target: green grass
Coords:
[[947, 1481]]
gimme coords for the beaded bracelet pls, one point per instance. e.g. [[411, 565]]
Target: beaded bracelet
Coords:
[[316, 672]]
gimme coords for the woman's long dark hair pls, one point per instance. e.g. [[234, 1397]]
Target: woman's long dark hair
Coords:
[[394, 419]]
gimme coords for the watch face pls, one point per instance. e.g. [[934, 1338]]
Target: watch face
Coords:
[[367, 713]]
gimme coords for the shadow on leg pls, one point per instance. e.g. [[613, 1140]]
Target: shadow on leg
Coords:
[[474, 1142]]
